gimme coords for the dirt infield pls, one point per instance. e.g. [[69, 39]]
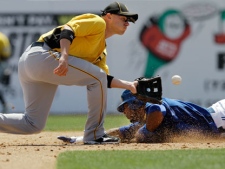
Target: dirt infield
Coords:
[[40, 151]]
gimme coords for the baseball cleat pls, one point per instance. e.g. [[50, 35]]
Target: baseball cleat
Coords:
[[71, 139], [106, 139]]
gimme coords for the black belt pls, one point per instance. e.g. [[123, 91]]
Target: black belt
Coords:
[[37, 44]]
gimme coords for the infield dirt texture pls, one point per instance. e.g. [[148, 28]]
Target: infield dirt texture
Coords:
[[40, 151]]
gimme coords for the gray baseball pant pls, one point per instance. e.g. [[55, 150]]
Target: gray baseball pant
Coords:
[[39, 85]]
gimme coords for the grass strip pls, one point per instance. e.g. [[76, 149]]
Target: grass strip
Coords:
[[168, 159]]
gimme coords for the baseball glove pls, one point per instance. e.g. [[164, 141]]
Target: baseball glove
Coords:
[[149, 89]]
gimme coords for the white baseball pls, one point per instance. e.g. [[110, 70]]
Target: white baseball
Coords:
[[176, 80]]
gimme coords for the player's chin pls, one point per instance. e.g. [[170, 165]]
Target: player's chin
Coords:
[[121, 32]]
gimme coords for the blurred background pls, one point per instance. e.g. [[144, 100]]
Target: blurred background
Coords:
[[183, 37]]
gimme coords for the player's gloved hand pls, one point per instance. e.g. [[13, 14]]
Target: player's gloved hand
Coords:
[[149, 89]]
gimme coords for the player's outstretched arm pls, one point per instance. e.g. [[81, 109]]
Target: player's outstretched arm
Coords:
[[154, 116], [123, 84], [113, 132]]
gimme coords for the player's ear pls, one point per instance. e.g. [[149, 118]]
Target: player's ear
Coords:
[[108, 16]]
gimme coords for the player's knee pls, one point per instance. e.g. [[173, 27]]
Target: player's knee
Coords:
[[35, 130], [38, 130], [33, 125], [156, 107]]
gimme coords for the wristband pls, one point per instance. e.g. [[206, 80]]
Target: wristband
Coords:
[[109, 79]]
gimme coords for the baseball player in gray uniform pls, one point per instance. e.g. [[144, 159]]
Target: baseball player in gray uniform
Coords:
[[70, 54]]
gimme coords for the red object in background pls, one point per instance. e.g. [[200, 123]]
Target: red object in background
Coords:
[[156, 42], [220, 38]]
